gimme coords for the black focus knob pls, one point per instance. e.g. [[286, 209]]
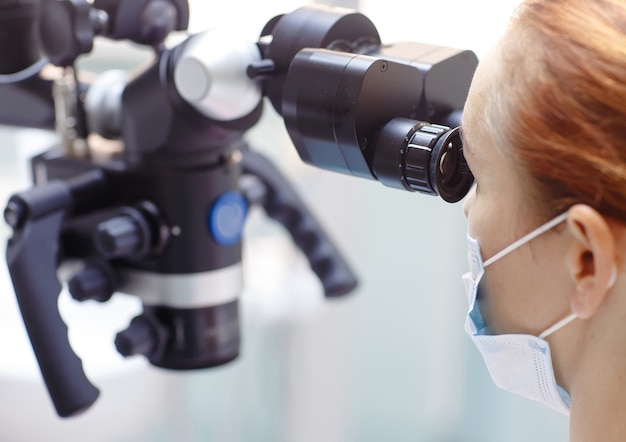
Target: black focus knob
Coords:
[[118, 237], [123, 236], [67, 29], [144, 21], [142, 337], [94, 282]]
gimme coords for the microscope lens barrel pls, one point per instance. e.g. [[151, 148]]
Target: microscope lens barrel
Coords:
[[438, 151], [427, 158]]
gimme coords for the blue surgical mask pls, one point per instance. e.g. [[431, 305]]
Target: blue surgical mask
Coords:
[[518, 363]]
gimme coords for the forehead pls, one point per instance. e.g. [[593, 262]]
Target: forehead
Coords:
[[484, 100], [486, 117]]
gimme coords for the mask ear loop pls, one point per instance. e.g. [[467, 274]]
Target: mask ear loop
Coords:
[[563, 322], [526, 238]]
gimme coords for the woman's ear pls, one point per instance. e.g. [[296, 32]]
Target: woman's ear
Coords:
[[591, 259]]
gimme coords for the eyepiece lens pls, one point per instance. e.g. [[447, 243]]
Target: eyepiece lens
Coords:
[[448, 163], [454, 179]]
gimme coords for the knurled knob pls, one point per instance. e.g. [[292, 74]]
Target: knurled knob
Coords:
[[92, 283], [120, 237], [140, 338]]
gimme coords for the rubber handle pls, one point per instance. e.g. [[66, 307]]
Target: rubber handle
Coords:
[[32, 261], [284, 205]]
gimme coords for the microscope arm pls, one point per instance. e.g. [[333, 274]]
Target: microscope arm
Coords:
[[37, 217], [283, 204]]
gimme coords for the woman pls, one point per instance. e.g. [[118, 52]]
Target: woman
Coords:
[[544, 131]]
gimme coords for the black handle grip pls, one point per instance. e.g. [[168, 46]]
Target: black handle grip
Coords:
[[32, 261], [284, 205]]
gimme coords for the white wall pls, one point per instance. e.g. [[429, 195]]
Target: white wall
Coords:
[[474, 24]]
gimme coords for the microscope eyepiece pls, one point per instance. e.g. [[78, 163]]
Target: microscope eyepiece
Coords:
[[450, 175], [453, 178], [427, 158]]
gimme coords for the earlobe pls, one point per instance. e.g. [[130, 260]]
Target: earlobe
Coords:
[[591, 259]]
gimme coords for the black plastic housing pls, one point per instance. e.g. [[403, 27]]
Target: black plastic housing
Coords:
[[342, 120], [337, 87]]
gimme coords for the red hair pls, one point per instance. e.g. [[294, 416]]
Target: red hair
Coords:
[[565, 102]]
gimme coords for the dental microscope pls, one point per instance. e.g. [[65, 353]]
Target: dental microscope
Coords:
[[159, 212]]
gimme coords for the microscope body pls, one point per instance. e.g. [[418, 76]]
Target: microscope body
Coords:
[[172, 237], [162, 217]]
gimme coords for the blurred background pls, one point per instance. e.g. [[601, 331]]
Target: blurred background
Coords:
[[390, 362]]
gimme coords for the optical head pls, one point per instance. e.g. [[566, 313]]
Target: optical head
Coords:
[[365, 114]]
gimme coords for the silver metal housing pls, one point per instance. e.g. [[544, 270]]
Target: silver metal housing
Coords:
[[211, 75]]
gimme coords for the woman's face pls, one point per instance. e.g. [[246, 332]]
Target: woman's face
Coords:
[[525, 291]]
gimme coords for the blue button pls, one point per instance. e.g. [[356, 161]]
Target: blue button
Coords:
[[227, 217]]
